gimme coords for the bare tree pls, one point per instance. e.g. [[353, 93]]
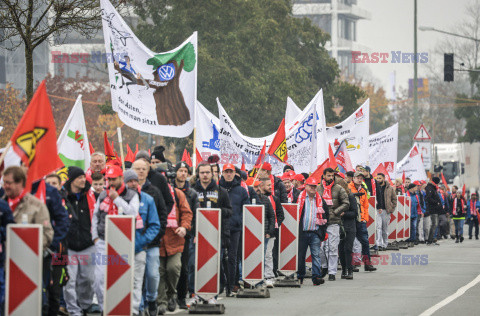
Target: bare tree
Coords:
[[32, 22]]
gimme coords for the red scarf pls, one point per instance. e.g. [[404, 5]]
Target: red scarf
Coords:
[[272, 178], [319, 204], [91, 202], [327, 192], [290, 196], [13, 203], [245, 186], [455, 206], [473, 209], [107, 204], [172, 216], [272, 201]]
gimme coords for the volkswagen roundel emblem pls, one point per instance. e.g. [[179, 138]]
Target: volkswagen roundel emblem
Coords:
[[166, 72]]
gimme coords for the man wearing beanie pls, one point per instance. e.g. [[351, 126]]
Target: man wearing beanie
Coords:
[[434, 207], [116, 200], [147, 227], [78, 292]]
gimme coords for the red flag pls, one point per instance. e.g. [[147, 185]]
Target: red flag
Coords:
[[463, 191], [91, 148], [186, 158], [318, 173], [403, 177], [278, 147], [332, 161], [130, 155], [381, 169], [261, 157], [199, 156], [109, 151], [243, 168], [149, 152], [35, 139], [136, 150], [445, 182]]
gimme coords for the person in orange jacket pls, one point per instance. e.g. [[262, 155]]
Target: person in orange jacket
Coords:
[[361, 197]]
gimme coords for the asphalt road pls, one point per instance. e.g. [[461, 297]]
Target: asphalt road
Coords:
[[405, 289]]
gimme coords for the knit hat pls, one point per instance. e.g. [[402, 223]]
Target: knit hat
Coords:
[[436, 180], [411, 186], [129, 175], [143, 154], [74, 172], [287, 167], [158, 153], [181, 164]]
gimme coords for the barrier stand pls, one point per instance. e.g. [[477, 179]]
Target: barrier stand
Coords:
[[120, 251], [401, 224], [24, 261], [253, 252], [371, 224], [392, 229], [207, 260], [288, 247], [408, 221]]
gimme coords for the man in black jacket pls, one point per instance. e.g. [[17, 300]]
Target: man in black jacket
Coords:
[[78, 292], [238, 198], [211, 195], [187, 273], [277, 184], [152, 263], [434, 207]]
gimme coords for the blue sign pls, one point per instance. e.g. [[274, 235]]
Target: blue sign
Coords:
[[166, 72]]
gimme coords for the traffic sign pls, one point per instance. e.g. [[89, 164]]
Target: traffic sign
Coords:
[[422, 134]]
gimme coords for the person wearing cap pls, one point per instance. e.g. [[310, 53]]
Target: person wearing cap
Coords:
[[299, 182], [473, 215], [147, 227], [78, 292], [434, 208], [152, 262], [157, 156], [116, 200], [386, 205], [278, 189], [271, 246], [238, 198], [459, 210], [211, 195], [337, 200], [292, 191], [312, 229], [415, 209], [361, 196], [187, 273], [369, 181], [157, 180]]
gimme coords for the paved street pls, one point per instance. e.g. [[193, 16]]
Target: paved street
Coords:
[[392, 290]]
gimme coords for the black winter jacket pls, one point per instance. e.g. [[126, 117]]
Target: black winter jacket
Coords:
[[79, 236], [269, 214], [157, 196], [280, 190], [349, 218], [159, 181], [192, 198], [238, 198], [432, 200]]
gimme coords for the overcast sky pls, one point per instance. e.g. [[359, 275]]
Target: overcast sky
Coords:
[[391, 28]]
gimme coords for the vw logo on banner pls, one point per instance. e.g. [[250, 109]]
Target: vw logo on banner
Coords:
[[166, 72]]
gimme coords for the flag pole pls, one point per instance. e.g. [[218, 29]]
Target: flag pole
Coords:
[[120, 140], [194, 151], [4, 154]]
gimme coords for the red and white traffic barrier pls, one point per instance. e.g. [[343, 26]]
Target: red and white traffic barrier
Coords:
[[207, 252], [24, 263], [407, 217], [372, 216], [120, 252], [253, 243], [401, 217], [392, 225], [288, 245]]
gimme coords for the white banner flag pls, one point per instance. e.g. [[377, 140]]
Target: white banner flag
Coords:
[[299, 137], [207, 135], [72, 144], [412, 165], [291, 112], [383, 149], [354, 130], [152, 93]]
